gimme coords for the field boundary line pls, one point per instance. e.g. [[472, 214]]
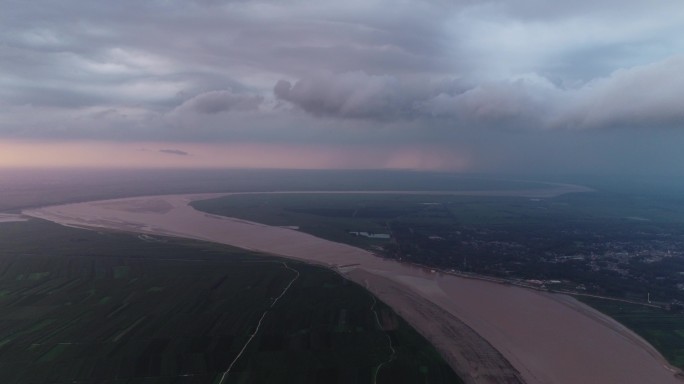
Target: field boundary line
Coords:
[[256, 330]]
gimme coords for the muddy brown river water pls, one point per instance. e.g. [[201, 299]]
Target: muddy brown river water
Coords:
[[488, 332]]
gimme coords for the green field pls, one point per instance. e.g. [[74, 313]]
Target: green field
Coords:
[[80, 306], [663, 329], [312, 211], [333, 216], [329, 216]]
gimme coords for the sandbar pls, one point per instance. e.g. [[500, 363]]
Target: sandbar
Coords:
[[488, 332]]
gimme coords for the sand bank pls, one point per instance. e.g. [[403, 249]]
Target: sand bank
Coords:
[[488, 332]]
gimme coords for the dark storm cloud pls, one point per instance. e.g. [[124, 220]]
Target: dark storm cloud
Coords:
[[637, 97], [163, 54]]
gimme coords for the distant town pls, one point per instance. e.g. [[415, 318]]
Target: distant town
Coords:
[[645, 266]]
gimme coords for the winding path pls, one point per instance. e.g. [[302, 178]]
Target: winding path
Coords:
[[261, 319]]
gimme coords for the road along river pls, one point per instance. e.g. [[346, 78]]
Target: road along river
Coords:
[[488, 332]]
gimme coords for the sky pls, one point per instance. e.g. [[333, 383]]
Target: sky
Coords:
[[467, 86]]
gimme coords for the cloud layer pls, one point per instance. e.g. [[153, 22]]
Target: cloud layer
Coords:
[[378, 72], [644, 96]]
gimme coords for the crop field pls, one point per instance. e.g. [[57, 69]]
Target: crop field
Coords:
[[327, 212], [329, 216], [334, 216], [81, 306], [663, 329]]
